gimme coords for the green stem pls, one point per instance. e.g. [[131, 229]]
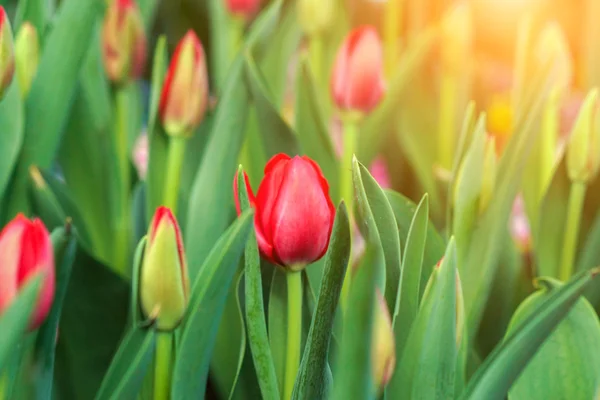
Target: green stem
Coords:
[[574, 211], [392, 20], [162, 366], [294, 331], [447, 122], [175, 159], [315, 51], [122, 176]]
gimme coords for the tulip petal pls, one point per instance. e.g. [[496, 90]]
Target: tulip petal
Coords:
[[10, 250], [364, 70], [268, 192]]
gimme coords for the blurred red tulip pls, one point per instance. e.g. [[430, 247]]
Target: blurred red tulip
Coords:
[[184, 95], [357, 80], [294, 213], [25, 252], [243, 8]]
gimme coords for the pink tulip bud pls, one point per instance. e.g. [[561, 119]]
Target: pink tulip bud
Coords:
[[7, 53], [243, 8], [25, 252], [123, 41], [294, 213], [357, 80], [184, 95], [141, 155]]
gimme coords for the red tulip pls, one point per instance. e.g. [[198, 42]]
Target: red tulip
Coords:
[[25, 252], [185, 93], [243, 8], [294, 213], [123, 41], [357, 80]]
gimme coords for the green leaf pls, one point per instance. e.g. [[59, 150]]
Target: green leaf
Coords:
[[207, 302], [255, 312], [312, 381], [157, 140], [410, 282], [278, 322], [278, 137], [427, 369], [148, 9], [126, 374], [242, 350], [138, 259], [353, 372], [502, 368], [375, 210], [575, 342], [11, 119], [64, 254], [34, 11], [588, 259], [16, 317], [95, 312], [313, 133]]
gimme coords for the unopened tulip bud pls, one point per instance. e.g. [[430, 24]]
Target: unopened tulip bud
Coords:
[[7, 53], [583, 149], [490, 167], [245, 9], [383, 345], [457, 38], [315, 16], [184, 95], [552, 48], [164, 282], [25, 252], [357, 82], [294, 213], [123, 41], [27, 56]]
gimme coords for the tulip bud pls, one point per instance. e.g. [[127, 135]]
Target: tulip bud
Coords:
[[583, 149], [552, 48], [164, 284], [25, 252], [123, 41], [27, 55], [185, 92], [294, 213], [489, 173], [383, 345], [7, 53], [315, 16], [243, 8], [357, 81]]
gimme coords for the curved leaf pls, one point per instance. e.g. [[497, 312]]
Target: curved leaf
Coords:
[[11, 118]]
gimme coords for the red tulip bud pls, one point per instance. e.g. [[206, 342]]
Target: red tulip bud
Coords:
[[357, 80], [25, 252], [243, 8], [185, 93], [164, 283], [123, 41], [294, 213], [7, 53]]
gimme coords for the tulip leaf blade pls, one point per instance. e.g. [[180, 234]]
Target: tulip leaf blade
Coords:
[[65, 246], [242, 352], [138, 259], [312, 381], [33, 11], [15, 319], [410, 281], [255, 311], [575, 342], [207, 302], [375, 211], [277, 321], [427, 368], [502, 367], [356, 382], [12, 121], [125, 376]]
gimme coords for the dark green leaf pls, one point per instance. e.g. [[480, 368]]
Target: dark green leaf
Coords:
[[278, 322]]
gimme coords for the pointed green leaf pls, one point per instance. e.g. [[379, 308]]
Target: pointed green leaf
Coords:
[[278, 320], [11, 119], [242, 351], [138, 259]]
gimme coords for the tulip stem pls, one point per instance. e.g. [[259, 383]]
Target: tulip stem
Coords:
[[294, 331], [175, 159], [315, 51], [122, 176], [162, 370], [574, 211], [447, 123]]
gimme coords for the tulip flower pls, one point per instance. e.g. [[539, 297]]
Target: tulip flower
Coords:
[[25, 252], [243, 8], [7, 54], [164, 283], [123, 41], [357, 81], [315, 16], [184, 95], [383, 345], [27, 56], [294, 213]]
